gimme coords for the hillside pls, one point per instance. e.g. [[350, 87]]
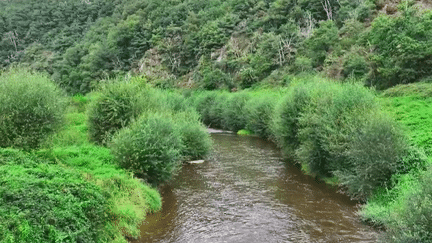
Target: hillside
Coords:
[[217, 44]]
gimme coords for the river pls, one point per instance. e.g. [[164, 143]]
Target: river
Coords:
[[246, 192]]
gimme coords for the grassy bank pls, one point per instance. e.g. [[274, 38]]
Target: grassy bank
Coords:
[[70, 190], [63, 183], [404, 211]]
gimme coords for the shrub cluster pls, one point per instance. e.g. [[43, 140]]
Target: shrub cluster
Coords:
[[195, 139], [86, 199], [152, 131], [31, 108], [332, 129], [150, 147], [154, 146]]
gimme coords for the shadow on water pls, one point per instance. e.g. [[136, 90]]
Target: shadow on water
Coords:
[[246, 193]]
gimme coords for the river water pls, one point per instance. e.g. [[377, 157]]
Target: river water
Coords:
[[246, 192]]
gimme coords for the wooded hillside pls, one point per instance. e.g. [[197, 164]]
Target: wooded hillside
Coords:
[[216, 44]]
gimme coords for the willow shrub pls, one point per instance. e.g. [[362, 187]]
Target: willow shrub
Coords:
[[216, 111], [151, 147], [404, 210], [259, 111], [373, 155], [335, 112], [196, 141], [31, 108], [118, 103], [234, 115], [203, 103], [285, 119]]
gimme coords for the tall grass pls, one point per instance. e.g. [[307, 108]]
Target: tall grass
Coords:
[[42, 202]]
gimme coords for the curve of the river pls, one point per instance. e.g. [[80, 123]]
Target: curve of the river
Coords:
[[247, 193]]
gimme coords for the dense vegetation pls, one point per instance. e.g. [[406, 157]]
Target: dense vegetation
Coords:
[[67, 189], [85, 154], [404, 210], [32, 113], [218, 44], [333, 130]]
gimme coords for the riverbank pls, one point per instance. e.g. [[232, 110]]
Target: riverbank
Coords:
[[70, 189], [345, 135], [404, 210], [81, 157], [247, 192]]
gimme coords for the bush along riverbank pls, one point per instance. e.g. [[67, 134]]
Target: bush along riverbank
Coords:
[[341, 133], [405, 209], [61, 183]]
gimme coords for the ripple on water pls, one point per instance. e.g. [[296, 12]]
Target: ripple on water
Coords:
[[246, 193]]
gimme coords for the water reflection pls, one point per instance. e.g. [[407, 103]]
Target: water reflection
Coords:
[[246, 193]]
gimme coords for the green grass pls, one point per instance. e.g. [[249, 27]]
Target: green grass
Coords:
[[404, 211], [415, 113], [126, 200]]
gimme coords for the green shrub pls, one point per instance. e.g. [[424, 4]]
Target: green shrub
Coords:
[[355, 64], [334, 113], [403, 47], [31, 107], [234, 115], [117, 105], [194, 136], [216, 111], [171, 100], [203, 103], [302, 64], [412, 222], [129, 200], [259, 110], [42, 202], [213, 79], [322, 40], [284, 124], [374, 154], [150, 147]]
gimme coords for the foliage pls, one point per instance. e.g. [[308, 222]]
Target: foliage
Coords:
[[117, 105], [234, 116], [259, 110], [322, 40], [403, 209], [42, 202], [203, 103], [31, 108], [402, 47], [150, 147], [194, 136], [129, 199], [374, 156], [285, 119]]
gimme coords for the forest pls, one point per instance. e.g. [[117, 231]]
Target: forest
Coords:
[[99, 96], [216, 44]]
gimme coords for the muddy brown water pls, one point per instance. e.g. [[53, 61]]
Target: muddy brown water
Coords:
[[246, 192]]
